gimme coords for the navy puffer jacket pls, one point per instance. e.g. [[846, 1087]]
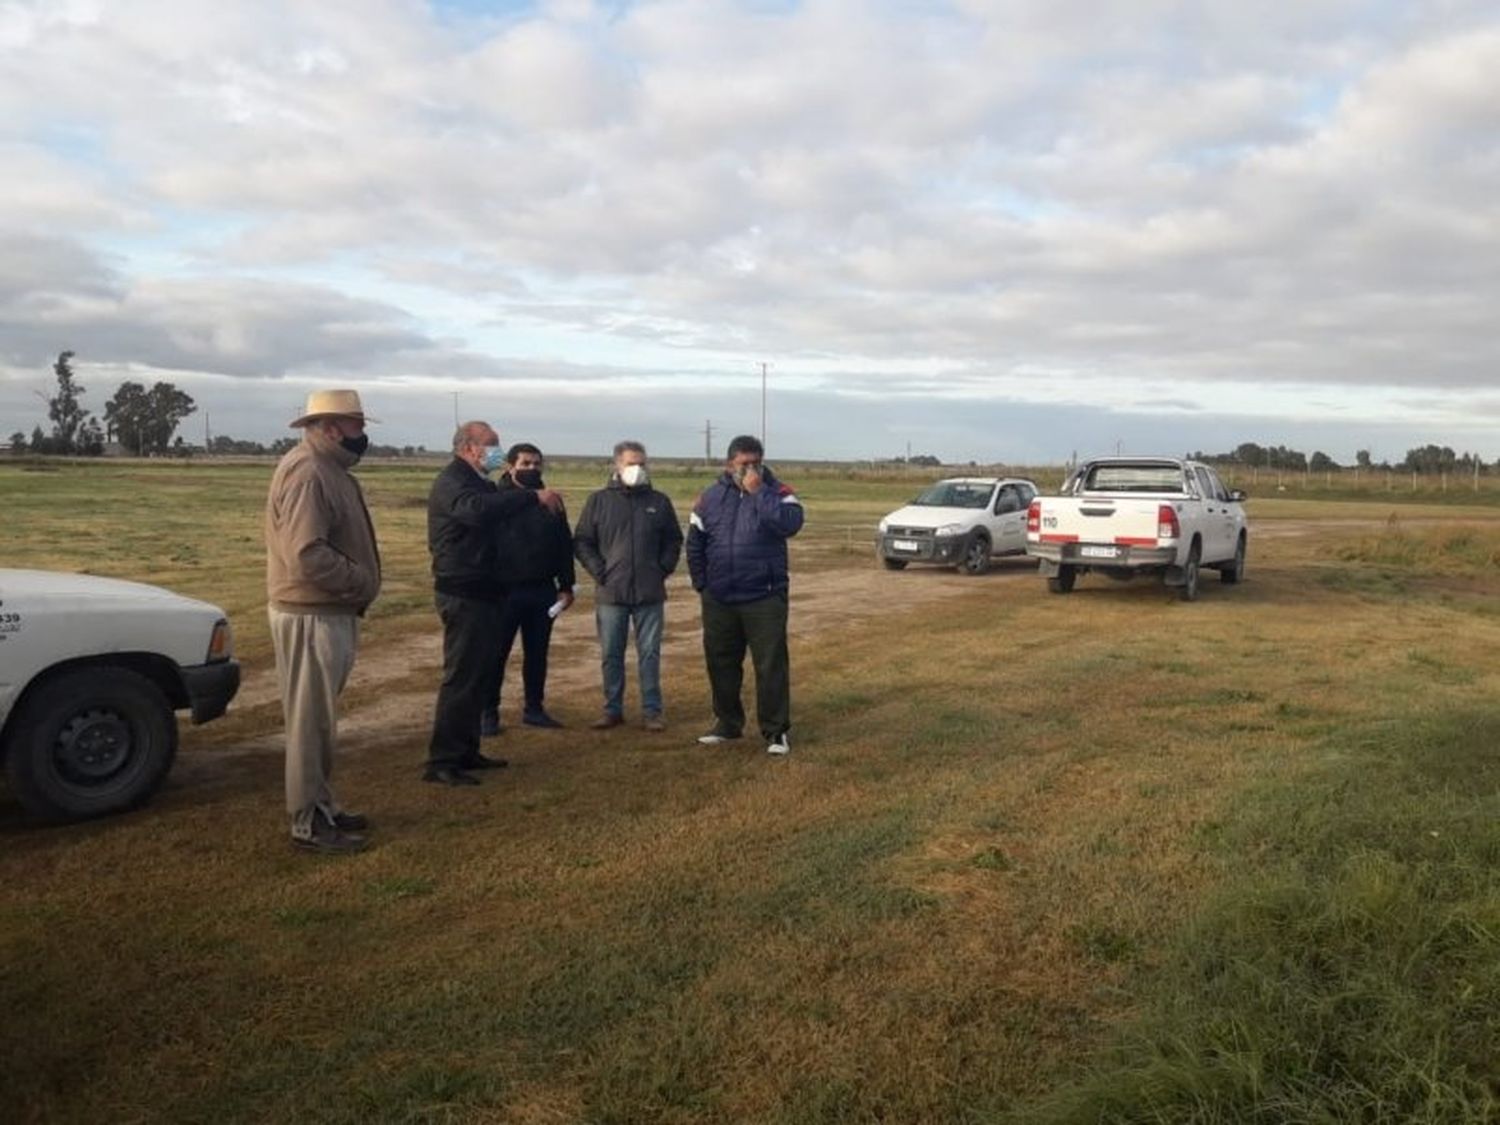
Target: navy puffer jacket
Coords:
[[736, 543]]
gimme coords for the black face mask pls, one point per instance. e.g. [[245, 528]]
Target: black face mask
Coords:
[[527, 478], [356, 445]]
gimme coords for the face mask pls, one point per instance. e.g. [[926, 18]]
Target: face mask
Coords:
[[494, 457], [356, 445], [633, 476], [527, 478]]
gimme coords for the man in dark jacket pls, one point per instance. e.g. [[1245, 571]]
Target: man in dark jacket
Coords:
[[534, 553], [464, 510], [629, 540], [737, 556]]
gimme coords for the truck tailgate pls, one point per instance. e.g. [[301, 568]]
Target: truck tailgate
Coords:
[[1105, 519]]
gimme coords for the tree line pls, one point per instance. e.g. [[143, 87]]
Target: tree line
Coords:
[[144, 420], [1426, 459]]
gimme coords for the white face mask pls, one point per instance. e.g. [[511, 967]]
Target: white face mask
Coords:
[[633, 476]]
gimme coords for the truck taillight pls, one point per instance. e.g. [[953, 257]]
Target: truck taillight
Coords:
[[1034, 518], [1167, 526], [221, 643]]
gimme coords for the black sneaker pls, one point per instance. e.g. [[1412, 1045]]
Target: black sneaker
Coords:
[[351, 821], [540, 719], [328, 840], [489, 723]]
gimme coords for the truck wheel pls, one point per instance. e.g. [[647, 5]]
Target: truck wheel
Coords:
[[1189, 589], [893, 564], [1062, 581], [1233, 572], [976, 555], [89, 742]]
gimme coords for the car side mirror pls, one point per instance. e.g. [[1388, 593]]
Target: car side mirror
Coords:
[[1237, 495]]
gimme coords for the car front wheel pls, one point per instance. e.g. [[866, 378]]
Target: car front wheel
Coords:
[[894, 564], [976, 556], [90, 741]]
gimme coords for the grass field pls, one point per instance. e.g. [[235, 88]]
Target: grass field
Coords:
[[1103, 858]]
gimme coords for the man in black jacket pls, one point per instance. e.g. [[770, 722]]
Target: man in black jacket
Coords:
[[628, 538], [464, 511], [535, 557]]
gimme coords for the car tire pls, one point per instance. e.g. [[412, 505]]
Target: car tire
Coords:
[[1062, 581], [893, 564], [1191, 570], [976, 558], [1232, 572], [91, 741]]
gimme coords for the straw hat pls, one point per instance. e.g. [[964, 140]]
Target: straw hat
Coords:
[[329, 404]]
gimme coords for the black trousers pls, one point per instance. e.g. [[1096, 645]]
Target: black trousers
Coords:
[[759, 626], [525, 612], [471, 649]]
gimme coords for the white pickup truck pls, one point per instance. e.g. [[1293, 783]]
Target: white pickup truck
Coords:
[[962, 522], [1125, 516], [91, 671]]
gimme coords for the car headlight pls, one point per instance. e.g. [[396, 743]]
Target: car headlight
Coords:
[[948, 530], [220, 643], [881, 527]]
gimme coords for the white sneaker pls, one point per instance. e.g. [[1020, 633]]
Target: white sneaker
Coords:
[[716, 736], [781, 744]]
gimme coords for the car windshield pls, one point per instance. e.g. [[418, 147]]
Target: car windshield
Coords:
[[1134, 478], [955, 494]]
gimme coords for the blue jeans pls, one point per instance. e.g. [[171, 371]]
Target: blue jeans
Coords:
[[614, 623]]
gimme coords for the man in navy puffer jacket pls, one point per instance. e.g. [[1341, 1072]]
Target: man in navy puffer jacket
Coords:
[[737, 557]]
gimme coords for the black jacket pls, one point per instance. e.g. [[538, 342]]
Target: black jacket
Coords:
[[534, 546], [629, 540], [463, 511]]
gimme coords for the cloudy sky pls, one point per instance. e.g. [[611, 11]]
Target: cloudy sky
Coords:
[[1001, 230]]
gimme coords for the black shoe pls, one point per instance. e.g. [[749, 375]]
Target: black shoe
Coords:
[[607, 721], [489, 724], [449, 775], [484, 762], [351, 821], [539, 719], [328, 840]]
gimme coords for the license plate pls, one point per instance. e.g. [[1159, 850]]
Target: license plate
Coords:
[[1092, 552], [904, 545]]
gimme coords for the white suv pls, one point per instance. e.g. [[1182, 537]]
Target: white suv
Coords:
[[91, 671], [962, 522]]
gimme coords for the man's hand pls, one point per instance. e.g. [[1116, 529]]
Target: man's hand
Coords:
[[752, 479], [564, 599], [550, 499]]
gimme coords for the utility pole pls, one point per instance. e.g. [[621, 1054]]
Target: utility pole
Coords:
[[455, 409], [708, 441], [208, 436], [764, 439]]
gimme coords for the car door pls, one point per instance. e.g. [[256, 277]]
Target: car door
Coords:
[[1009, 521], [1217, 543], [1232, 512]]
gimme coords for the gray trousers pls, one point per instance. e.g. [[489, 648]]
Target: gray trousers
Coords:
[[314, 656]]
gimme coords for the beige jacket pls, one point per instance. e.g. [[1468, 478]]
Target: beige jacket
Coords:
[[320, 544]]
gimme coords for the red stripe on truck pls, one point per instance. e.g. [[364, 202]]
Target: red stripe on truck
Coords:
[[1134, 541], [1058, 539]]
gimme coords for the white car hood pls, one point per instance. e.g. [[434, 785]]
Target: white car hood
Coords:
[[50, 585], [925, 515]]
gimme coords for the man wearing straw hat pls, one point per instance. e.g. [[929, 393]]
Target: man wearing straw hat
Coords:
[[322, 573]]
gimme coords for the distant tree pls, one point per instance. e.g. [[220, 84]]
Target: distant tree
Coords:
[[145, 420], [1362, 458], [1321, 462], [1248, 453], [40, 442], [67, 416], [1430, 459], [18, 442]]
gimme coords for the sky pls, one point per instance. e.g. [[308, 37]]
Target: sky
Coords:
[[993, 230]]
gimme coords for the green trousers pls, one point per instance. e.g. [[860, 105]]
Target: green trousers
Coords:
[[727, 631]]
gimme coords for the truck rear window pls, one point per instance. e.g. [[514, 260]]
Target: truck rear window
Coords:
[[1134, 478]]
